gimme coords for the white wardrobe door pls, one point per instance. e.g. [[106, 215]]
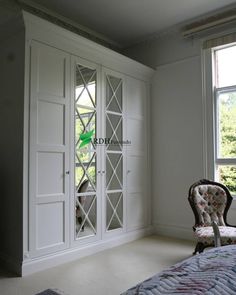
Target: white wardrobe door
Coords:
[[85, 154], [49, 150], [113, 172], [137, 164]]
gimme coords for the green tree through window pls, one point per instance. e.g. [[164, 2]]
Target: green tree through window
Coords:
[[225, 115], [227, 138]]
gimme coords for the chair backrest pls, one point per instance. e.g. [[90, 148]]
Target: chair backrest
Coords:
[[210, 201], [83, 187]]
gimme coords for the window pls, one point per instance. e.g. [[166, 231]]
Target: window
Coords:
[[224, 60]]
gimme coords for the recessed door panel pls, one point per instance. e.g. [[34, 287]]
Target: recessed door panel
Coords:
[[50, 173], [136, 176], [51, 68], [51, 122], [137, 134], [136, 211], [50, 220], [136, 92]]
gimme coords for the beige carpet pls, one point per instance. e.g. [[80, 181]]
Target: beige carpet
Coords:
[[106, 273]]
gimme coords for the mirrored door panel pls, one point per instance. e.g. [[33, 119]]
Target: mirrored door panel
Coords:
[[114, 218], [85, 152], [114, 153]]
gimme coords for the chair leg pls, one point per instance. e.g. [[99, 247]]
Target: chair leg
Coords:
[[199, 248], [196, 249]]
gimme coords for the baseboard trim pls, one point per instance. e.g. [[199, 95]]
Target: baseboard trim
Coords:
[[175, 231], [38, 264]]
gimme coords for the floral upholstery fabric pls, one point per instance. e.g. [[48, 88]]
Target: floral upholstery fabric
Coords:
[[210, 202], [205, 235]]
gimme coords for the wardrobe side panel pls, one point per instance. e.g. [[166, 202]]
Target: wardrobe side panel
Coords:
[[12, 52]]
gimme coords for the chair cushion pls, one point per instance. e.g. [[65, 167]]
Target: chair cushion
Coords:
[[210, 202], [205, 235]]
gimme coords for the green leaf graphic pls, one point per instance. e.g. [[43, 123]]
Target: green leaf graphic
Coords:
[[87, 135], [84, 142], [86, 138]]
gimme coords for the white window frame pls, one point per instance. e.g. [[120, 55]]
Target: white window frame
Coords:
[[210, 114]]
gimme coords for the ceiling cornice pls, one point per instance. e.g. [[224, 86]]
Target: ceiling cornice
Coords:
[[66, 23]]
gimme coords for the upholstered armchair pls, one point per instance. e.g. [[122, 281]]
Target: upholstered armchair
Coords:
[[210, 202]]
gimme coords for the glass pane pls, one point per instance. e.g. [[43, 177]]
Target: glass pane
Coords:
[[85, 121], [114, 94], [226, 66], [114, 171], [86, 222], [114, 211], [114, 132], [85, 152], [86, 170], [227, 125], [85, 91], [227, 176]]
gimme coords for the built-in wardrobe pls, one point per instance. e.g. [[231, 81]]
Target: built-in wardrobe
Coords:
[[85, 148]]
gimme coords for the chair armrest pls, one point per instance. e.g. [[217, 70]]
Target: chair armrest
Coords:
[[216, 234]]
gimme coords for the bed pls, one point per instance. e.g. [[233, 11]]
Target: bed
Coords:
[[211, 272]]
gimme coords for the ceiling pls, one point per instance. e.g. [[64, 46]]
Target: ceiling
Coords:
[[126, 22]]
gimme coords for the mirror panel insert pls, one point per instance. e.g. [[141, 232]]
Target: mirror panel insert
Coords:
[[85, 152]]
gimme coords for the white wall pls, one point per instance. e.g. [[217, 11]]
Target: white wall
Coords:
[[165, 49], [177, 150], [177, 128]]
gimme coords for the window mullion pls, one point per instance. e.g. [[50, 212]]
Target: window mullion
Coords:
[[226, 161], [216, 116], [226, 89]]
